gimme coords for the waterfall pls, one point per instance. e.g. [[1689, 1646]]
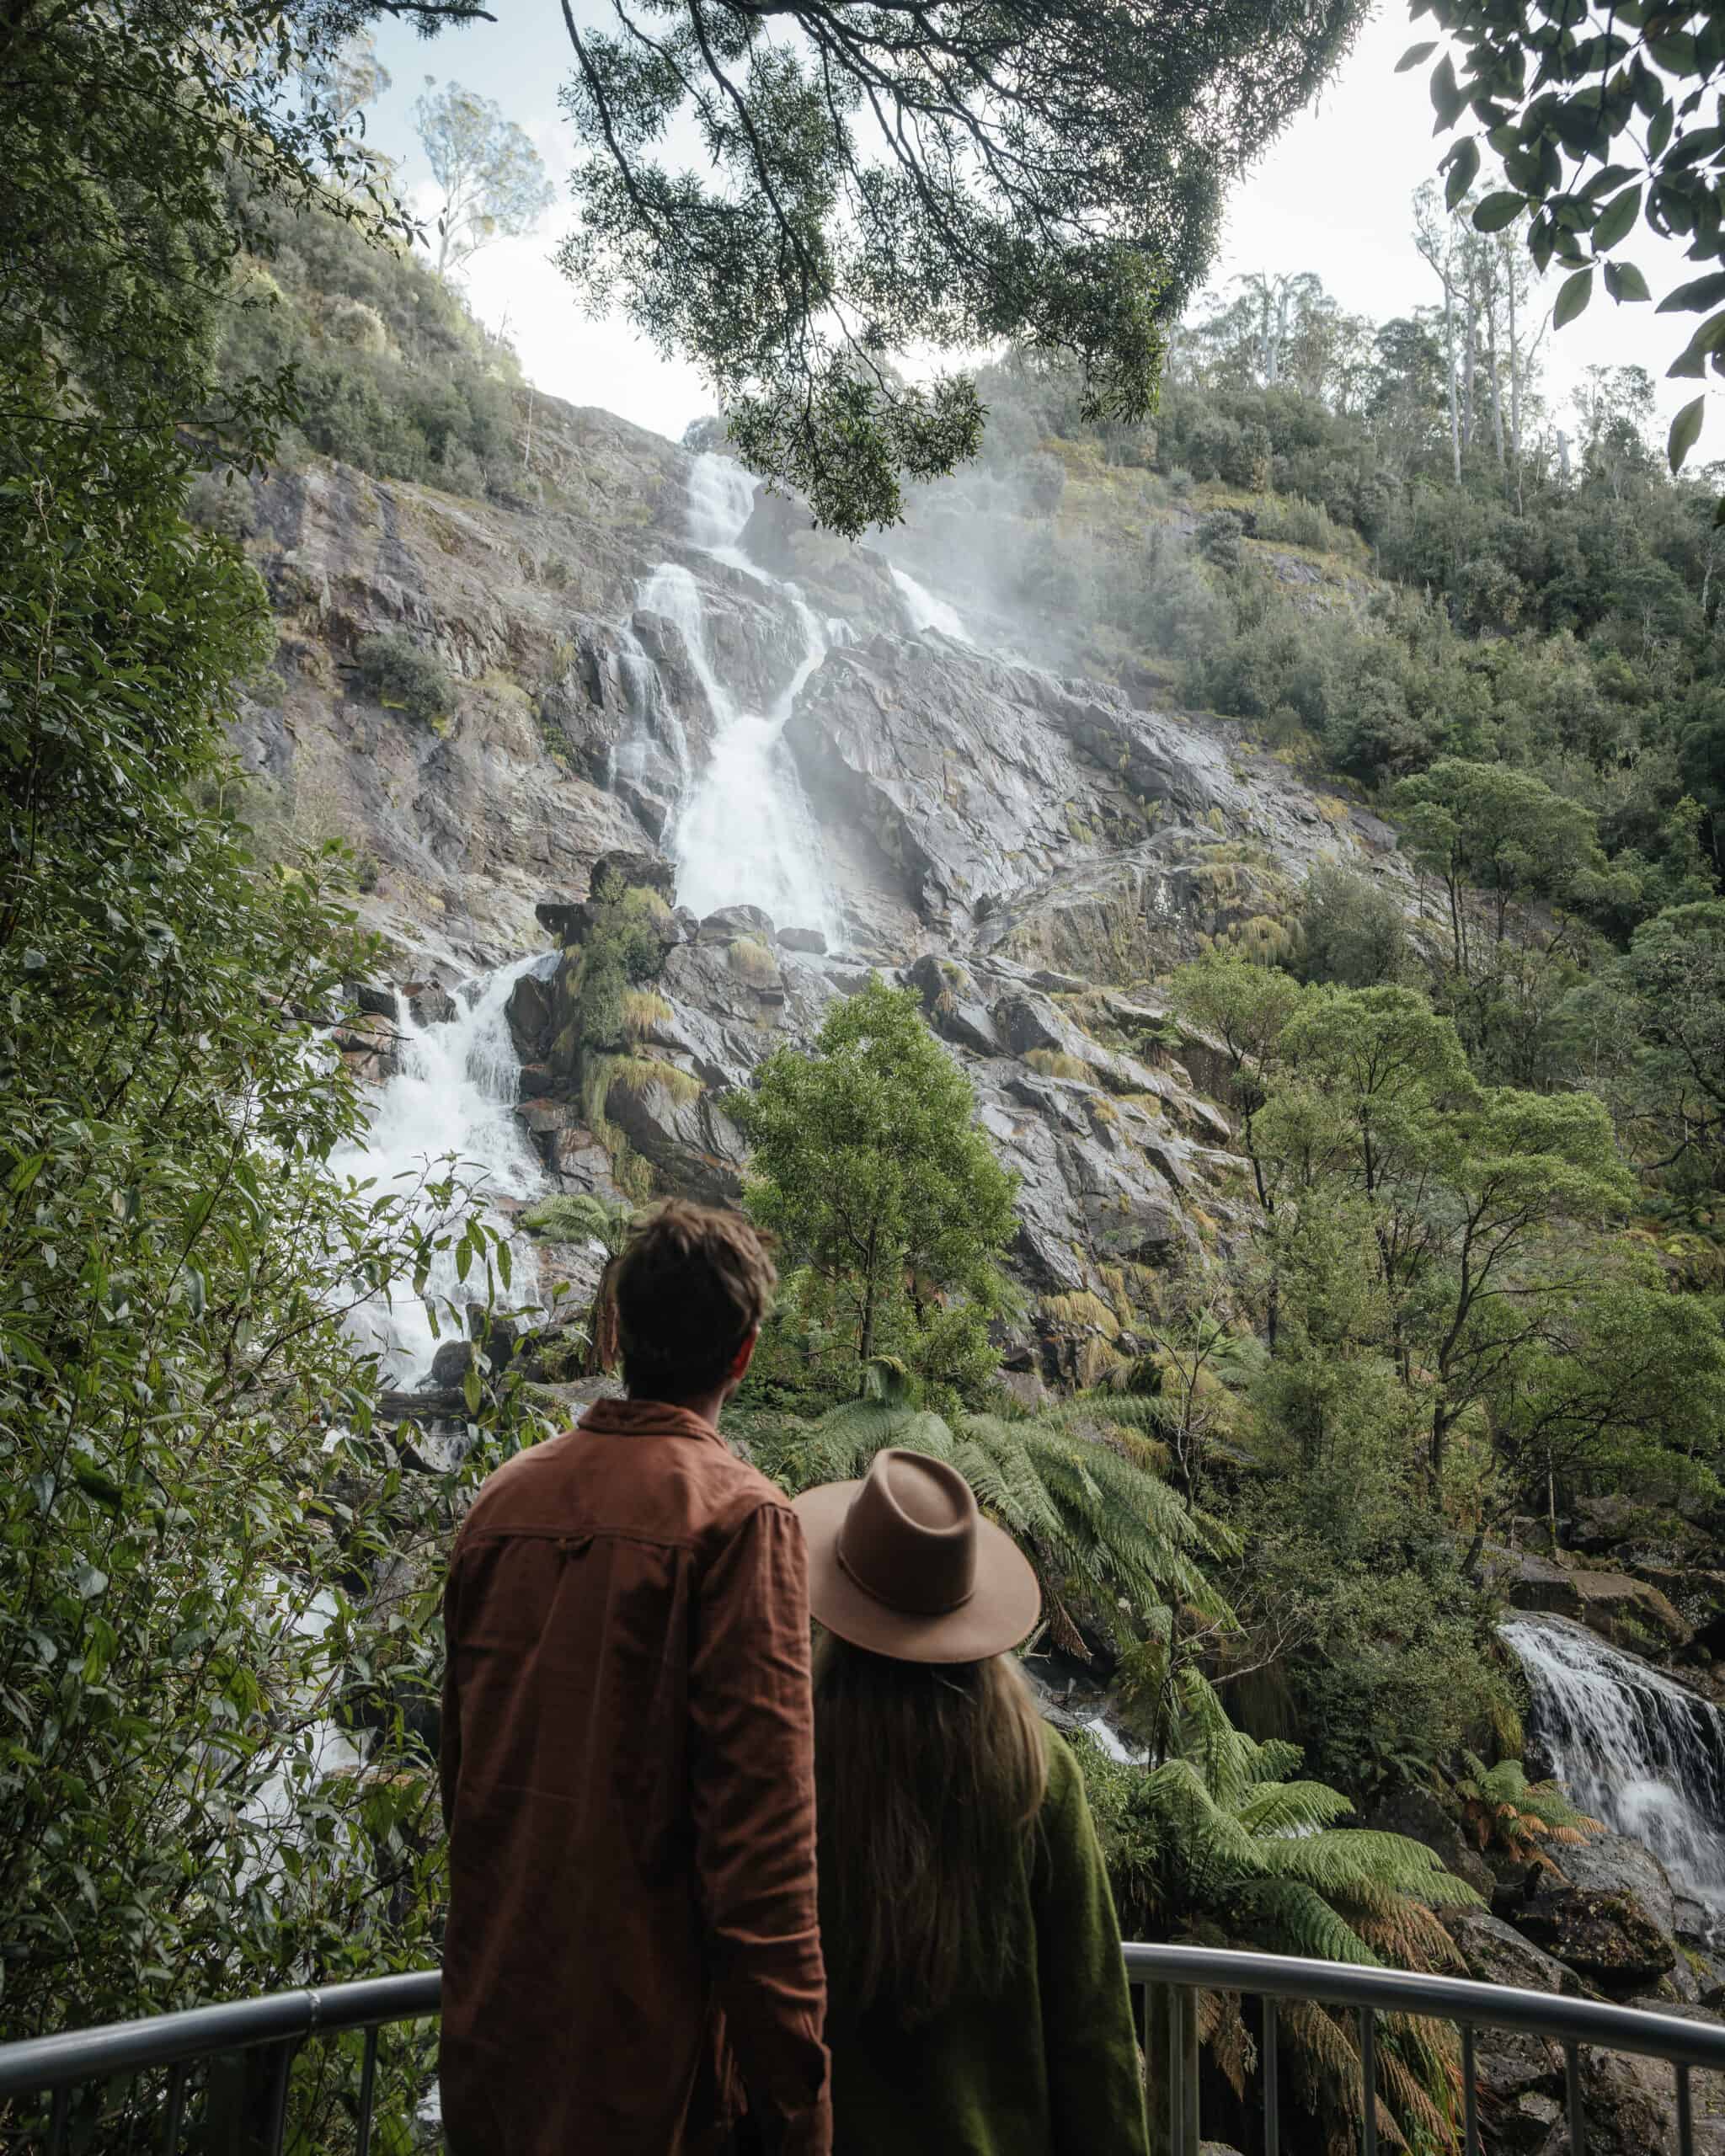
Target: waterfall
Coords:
[[746, 834], [1632, 1747], [454, 1092], [926, 611]]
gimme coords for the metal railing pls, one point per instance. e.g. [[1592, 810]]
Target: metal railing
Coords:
[[249, 2047], [1179, 1973]]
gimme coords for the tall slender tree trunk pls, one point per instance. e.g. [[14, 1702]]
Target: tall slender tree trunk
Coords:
[[1496, 378], [1450, 375], [1515, 391], [1470, 357]]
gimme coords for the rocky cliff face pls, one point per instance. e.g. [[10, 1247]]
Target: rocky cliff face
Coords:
[[1029, 851]]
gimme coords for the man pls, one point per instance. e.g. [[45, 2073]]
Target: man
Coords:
[[627, 1759]]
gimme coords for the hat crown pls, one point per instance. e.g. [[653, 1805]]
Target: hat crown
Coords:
[[909, 1537]]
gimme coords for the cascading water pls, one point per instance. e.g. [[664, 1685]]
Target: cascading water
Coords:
[[1632, 1747], [454, 1092], [926, 611], [746, 834]]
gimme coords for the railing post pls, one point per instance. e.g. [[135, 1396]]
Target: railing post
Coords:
[[246, 2114], [1159, 2068]]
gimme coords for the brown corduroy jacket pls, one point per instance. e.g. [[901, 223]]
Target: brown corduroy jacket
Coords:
[[628, 1771]]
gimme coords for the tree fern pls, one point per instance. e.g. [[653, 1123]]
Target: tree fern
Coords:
[[1098, 1526], [1502, 1807], [1222, 1841]]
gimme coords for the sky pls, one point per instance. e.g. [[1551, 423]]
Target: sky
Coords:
[[1332, 194]]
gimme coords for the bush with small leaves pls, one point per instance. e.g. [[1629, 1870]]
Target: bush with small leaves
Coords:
[[404, 676]]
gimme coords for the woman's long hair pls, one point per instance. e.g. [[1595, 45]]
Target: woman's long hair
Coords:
[[930, 1777]]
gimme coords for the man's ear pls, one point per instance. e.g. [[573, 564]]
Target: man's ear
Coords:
[[739, 1361]]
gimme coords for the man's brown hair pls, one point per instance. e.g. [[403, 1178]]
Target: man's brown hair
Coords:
[[691, 1284]]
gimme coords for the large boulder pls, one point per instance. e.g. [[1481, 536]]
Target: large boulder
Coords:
[[1630, 2101], [1620, 1608], [1614, 1863], [1607, 1939], [1519, 2075]]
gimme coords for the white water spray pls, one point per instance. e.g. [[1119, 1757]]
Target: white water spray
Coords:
[[1632, 1747], [455, 1092], [926, 611]]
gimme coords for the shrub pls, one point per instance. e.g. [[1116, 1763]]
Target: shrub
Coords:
[[1219, 536], [403, 676], [221, 502]]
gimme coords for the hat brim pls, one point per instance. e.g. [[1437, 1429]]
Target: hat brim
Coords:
[[1002, 1612]]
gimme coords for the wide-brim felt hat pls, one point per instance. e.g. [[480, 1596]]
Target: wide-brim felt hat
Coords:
[[904, 1564]]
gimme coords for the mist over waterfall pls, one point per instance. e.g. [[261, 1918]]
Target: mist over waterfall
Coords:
[[453, 1091], [1632, 1747]]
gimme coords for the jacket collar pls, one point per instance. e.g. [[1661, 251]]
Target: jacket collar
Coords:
[[646, 1418]]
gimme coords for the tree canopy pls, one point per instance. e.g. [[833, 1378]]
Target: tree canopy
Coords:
[[936, 176], [493, 178], [869, 1165]]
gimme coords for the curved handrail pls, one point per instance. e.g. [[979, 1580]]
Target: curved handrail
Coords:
[[40, 2063], [43, 2062], [1460, 1999]]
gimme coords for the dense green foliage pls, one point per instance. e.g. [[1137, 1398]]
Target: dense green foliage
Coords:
[[1563, 96], [889, 1202], [195, 1515], [1051, 174]]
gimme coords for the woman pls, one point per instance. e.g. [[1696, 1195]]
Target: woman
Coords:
[[977, 1999]]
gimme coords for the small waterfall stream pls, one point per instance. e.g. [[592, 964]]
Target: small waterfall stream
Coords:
[[454, 1091], [1632, 1747]]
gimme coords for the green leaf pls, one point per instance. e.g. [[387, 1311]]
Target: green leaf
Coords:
[[1696, 297], [1498, 211], [1686, 429], [89, 1579], [1624, 281], [1616, 218], [95, 1483], [1464, 170], [470, 1390], [1692, 360], [505, 1263], [1447, 99], [1572, 297], [1415, 54]]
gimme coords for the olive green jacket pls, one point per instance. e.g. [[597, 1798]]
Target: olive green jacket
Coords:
[[1045, 2066]]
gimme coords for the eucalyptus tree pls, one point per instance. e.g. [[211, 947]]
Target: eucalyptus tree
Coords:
[[928, 174], [493, 178]]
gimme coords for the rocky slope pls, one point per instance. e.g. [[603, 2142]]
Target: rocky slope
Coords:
[[1030, 851]]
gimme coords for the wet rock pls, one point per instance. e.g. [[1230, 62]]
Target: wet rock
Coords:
[[803, 939], [953, 1006], [1614, 1863], [429, 1003], [375, 1000], [730, 923], [1608, 1938], [530, 1012], [576, 1158], [676, 1125], [541, 1118], [536, 1080], [1630, 2101], [569, 918], [451, 1363], [1619, 1607]]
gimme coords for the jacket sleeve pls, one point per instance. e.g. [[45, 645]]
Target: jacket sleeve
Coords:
[[752, 1777], [1096, 2090], [449, 1731]]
